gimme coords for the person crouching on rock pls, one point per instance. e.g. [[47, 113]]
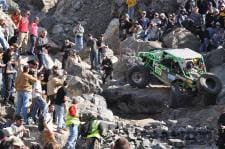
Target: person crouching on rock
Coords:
[[72, 121], [107, 67]]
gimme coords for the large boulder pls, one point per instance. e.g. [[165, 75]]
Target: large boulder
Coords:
[[127, 100], [94, 105], [8, 22], [215, 58], [181, 38], [82, 80], [132, 45], [111, 35]]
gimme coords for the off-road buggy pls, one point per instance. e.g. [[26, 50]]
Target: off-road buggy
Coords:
[[182, 69]]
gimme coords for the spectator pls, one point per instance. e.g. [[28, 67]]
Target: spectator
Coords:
[[8, 75], [218, 39], [3, 42], [13, 39], [4, 143], [121, 143], [209, 19], [41, 42], [61, 97], [136, 30], [67, 45], [18, 128], [131, 5], [38, 101], [107, 67], [53, 84], [72, 121], [144, 21], [195, 18], [156, 19], [33, 35], [190, 5], [3, 5], [152, 33], [101, 48], [79, 32], [16, 16], [125, 25], [73, 59], [164, 21], [182, 17], [24, 83], [23, 31], [204, 37], [94, 134], [222, 15], [92, 46], [48, 134], [171, 22]]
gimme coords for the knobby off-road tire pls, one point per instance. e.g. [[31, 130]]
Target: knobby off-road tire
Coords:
[[138, 76], [209, 86]]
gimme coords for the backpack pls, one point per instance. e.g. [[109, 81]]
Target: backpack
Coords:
[[84, 129], [41, 123]]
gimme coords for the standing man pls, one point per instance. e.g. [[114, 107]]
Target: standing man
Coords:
[[23, 31], [60, 100], [72, 121], [101, 48], [33, 35], [79, 32], [92, 46], [24, 83]]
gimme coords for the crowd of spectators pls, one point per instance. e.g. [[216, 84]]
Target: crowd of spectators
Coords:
[[204, 18]]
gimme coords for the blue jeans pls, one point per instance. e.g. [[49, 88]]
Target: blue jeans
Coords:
[[94, 59], [23, 103], [131, 12], [79, 43], [204, 45], [33, 40], [71, 141], [38, 104], [4, 43], [59, 111]]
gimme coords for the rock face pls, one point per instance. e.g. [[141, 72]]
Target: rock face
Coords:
[[95, 105], [44, 5], [127, 100], [8, 22], [181, 38], [111, 35]]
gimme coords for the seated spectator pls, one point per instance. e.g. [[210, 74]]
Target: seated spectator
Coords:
[[214, 30], [182, 17], [190, 5], [152, 33], [3, 5], [18, 128], [171, 22], [209, 19], [218, 39], [13, 39], [121, 143], [48, 134], [204, 37], [4, 143], [73, 59], [195, 18], [136, 30], [125, 25], [164, 21], [156, 19], [107, 67], [67, 45], [222, 15], [144, 21]]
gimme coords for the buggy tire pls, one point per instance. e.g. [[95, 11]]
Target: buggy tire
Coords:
[[138, 76], [209, 84]]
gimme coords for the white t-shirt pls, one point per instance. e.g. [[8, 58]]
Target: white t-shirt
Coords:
[[37, 89]]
